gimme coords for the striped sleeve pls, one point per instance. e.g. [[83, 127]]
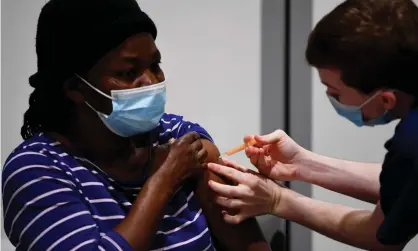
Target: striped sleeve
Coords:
[[178, 127], [44, 210]]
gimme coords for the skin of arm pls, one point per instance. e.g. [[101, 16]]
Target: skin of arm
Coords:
[[155, 194], [148, 208], [354, 179], [354, 227], [146, 212], [244, 236]]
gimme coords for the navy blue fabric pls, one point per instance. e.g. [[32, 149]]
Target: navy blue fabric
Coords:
[[53, 200], [399, 183]]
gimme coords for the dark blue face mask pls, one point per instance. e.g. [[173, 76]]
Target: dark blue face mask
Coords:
[[354, 114]]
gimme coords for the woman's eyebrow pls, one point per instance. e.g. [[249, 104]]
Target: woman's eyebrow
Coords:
[[135, 59], [157, 56], [130, 59]]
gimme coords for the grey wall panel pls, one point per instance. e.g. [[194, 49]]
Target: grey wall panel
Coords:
[[300, 114], [272, 94]]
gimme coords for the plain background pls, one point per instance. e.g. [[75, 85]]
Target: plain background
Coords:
[[211, 58]]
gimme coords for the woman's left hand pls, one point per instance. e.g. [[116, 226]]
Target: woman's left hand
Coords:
[[254, 195]]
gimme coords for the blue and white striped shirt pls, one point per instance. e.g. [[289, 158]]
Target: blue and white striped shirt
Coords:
[[56, 201]]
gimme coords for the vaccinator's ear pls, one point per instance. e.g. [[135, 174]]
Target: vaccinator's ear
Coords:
[[71, 88], [389, 99]]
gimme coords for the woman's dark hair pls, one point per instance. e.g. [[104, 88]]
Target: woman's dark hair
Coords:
[[49, 110], [374, 43], [72, 35]]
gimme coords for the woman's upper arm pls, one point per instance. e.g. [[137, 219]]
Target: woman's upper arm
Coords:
[[244, 236], [44, 210]]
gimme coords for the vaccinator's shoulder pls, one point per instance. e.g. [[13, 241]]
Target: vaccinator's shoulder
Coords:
[[400, 162], [405, 137], [399, 183]]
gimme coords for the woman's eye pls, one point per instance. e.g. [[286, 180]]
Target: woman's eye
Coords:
[[131, 73], [155, 68]]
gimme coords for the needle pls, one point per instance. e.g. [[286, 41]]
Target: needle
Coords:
[[232, 151], [239, 148]]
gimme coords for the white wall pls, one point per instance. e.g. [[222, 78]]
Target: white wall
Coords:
[[211, 58], [336, 137], [18, 62], [210, 53], [210, 50]]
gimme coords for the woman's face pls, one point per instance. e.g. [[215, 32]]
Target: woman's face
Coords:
[[133, 64]]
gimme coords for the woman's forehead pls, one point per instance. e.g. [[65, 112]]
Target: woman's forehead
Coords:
[[138, 48], [139, 45]]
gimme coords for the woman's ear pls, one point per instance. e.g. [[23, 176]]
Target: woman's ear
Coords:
[[71, 88], [389, 100]]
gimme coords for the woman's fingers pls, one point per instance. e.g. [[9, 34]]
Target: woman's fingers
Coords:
[[201, 155]]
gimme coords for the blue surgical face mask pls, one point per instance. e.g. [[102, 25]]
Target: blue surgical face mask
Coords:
[[354, 114], [134, 111]]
